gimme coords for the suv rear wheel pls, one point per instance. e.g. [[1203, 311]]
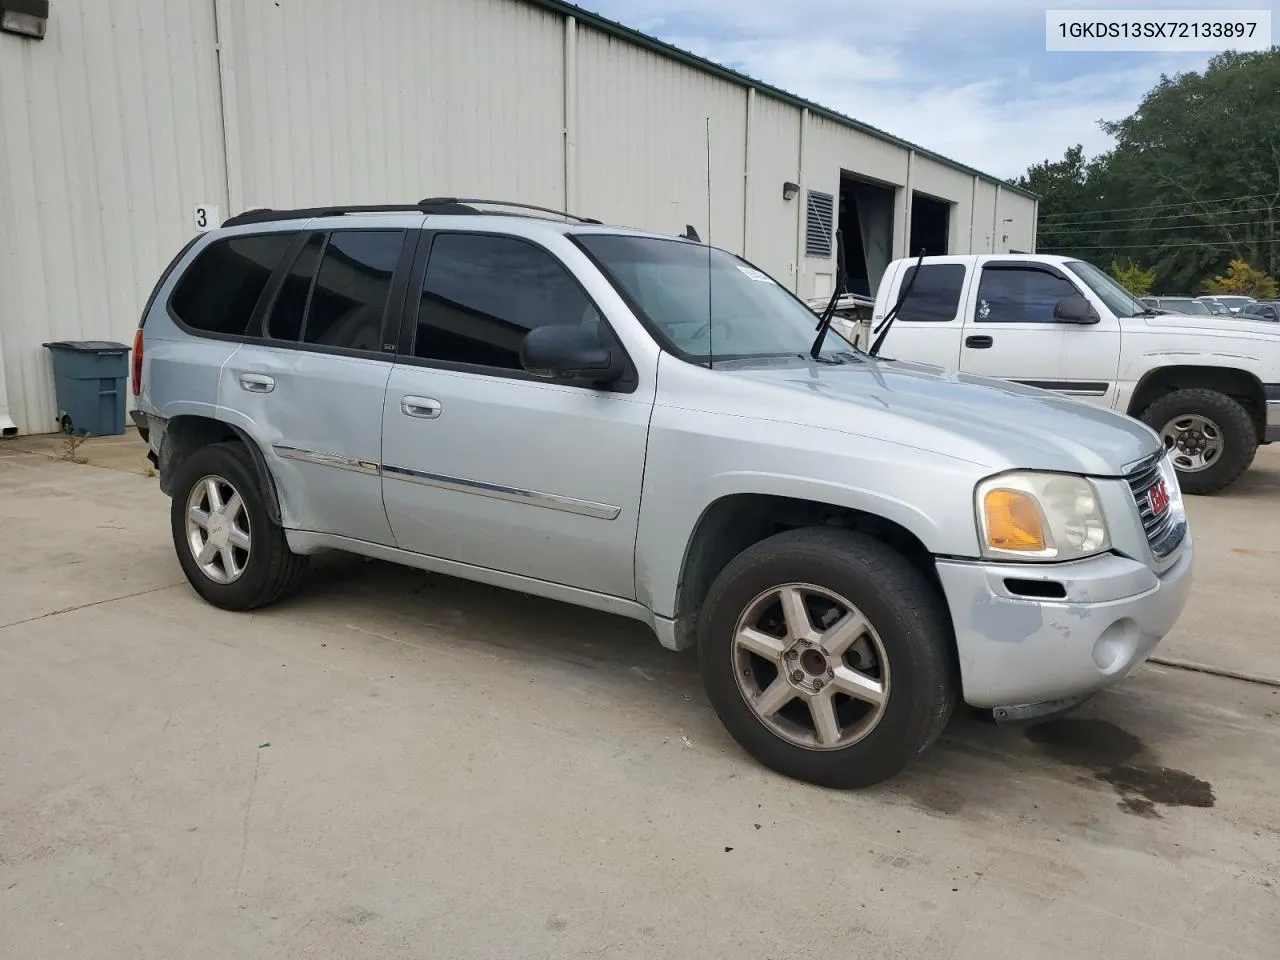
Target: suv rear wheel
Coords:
[[231, 552], [827, 656], [1210, 437]]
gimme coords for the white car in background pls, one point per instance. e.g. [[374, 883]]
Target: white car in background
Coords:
[[1232, 303]]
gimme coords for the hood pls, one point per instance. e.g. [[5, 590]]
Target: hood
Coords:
[[1232, 325], [993, 423]]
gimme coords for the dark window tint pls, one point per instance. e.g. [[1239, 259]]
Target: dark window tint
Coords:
[[350, 293], [935, 295], [285, 321], [482, 294], [1019, 295], [218, 292]]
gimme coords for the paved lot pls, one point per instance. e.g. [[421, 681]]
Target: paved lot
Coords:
[[401, 765]]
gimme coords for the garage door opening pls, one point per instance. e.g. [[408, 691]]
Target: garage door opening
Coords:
[[930, 226], [866, 232]]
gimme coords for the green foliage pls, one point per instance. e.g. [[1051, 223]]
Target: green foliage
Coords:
[[1192, 183], [1134, 277], [1243, 281]]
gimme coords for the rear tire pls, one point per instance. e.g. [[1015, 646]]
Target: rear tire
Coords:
[[233, 554], [900, 668], [1210, 437]]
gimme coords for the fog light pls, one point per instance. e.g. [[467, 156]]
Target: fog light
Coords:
[[1116, 646]]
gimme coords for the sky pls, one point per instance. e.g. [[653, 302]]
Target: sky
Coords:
[[969, 79]]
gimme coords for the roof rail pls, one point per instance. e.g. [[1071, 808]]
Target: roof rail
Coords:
[[430, 205], [449, 201]]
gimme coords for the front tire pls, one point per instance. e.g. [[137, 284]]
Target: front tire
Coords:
[[828, 657], [233, 555], [1209, 436]]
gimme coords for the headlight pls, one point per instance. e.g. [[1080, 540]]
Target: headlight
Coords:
[[1040, 516]]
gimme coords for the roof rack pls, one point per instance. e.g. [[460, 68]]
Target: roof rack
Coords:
[[431, 206]]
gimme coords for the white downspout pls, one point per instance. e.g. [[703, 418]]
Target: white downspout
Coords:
[[7, 427], [571, 114], [228, 106]]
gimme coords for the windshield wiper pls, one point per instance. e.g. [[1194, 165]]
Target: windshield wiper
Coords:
[[883, 330], [824, 323]]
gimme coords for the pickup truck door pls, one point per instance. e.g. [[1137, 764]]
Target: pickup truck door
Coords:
[[930, 322], [1009, 331], [486, 465]]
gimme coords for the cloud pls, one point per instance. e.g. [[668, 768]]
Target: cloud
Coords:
[[971, 82]]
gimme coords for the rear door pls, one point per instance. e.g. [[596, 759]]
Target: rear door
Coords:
[[929, 323], [310, 386]]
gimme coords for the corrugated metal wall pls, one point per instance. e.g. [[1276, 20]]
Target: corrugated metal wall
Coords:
[[129, 113], [109, 134]]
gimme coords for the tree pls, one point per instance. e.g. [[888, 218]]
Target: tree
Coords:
[[1134, 277], [1242, 280], [1192, 183]]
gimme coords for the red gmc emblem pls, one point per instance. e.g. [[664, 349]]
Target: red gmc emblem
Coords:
[[1158, 498]]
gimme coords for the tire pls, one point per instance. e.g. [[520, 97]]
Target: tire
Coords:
[[247, 578], [1236, 440], [907, 617]]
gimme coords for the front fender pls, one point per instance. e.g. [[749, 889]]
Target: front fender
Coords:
[[928, 495]]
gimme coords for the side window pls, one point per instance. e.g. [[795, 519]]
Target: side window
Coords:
[[285, 321], [935, 296], [1020, 295], [350, 293], [218, 292], [482, 294]]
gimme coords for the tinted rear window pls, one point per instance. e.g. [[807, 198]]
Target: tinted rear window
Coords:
[[218, 292], [935, 295]]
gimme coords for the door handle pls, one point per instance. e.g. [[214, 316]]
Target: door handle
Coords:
[[423, 407], [979, 343], [257, 382]]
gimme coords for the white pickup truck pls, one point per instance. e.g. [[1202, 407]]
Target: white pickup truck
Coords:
[[1209, 385]]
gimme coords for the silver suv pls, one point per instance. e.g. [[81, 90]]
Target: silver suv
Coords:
[[641, 424]]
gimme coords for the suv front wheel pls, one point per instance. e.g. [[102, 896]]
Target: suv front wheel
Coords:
[[232, 553], [827, 656]]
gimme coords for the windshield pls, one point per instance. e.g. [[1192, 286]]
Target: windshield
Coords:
[[1118, 300], [751, 315]]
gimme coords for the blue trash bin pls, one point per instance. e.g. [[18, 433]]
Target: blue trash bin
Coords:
[[89, 383]]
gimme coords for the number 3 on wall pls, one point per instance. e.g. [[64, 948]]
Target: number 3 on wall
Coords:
[[206, 217]]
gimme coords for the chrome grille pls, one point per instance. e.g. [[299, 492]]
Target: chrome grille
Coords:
[[1164, 531]]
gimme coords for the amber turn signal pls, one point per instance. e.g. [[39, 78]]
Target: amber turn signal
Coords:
[[1013, 521]]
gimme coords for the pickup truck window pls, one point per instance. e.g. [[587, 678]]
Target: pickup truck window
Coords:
[[1118, 300], [666, 281], [936, 294], [1019, 295]]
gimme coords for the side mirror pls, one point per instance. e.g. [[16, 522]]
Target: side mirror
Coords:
[[1075, 310], [563, 352]]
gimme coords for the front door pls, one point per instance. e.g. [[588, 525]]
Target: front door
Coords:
[[1010, 332], [484, 464]]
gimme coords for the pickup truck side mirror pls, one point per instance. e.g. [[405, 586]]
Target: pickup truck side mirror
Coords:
[[564, 352], [1075, 309]]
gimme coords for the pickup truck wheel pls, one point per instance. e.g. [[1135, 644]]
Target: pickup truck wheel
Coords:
[[231, 552], [827, 656], [1210, 437]]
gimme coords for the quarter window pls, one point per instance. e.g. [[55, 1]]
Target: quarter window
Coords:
[[349, 298], [220, 289], [1020, 295], [482, 294], [935, 297], [290, 308]]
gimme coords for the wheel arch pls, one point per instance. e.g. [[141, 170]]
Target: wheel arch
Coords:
[[733, 522], [1234, 381], [187, 432]]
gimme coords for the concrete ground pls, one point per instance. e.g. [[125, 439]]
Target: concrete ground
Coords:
[[395, 764]]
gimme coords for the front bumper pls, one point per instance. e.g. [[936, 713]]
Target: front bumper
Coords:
[[1018, 652], [1272, 434]]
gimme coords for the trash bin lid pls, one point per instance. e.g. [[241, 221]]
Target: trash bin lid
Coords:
[[87, 346]]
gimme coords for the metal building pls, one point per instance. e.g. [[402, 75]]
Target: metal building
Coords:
[[129, 114]]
